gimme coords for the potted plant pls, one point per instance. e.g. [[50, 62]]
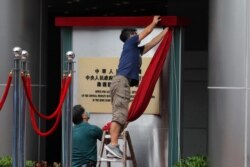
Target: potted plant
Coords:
[[193, 161]]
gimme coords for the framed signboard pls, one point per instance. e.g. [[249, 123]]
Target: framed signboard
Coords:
[[94, 78]]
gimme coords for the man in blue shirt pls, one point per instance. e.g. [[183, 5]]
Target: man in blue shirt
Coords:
[[128, 76], [84, 139]]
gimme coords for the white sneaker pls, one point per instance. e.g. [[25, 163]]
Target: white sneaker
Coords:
[[114, 150], [109, 155]]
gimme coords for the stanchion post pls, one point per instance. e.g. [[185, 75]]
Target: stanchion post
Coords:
[[22, 116], [16, 108], [67, 116]]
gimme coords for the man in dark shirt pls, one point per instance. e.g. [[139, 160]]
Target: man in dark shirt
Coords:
[[128, 76], [84, 139]]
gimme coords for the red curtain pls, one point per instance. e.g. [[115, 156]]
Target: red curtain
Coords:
[[146, 87]]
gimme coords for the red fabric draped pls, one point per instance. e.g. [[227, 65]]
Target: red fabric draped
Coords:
[[146, 87]]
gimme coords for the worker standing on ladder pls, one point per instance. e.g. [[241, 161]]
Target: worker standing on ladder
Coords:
[[84, 139], [128, 76]]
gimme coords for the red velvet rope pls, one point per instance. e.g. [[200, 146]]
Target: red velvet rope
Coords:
[[33, 119], [63, 84], [6, 91], [27, 87], [54, 114]]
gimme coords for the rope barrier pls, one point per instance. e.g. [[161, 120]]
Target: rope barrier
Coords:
[[26, 78], [21, 93], [27, 87], [33, 119], [6, 90]]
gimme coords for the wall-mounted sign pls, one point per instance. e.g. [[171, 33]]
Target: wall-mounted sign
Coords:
[[94, 78]]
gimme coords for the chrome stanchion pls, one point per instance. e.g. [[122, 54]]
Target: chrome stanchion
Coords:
[[22, 115], [67, 116], [16, 107]]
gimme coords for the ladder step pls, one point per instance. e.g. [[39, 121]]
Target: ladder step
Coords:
[[111, 160], [115, 159], [109, 137], [126, 143]]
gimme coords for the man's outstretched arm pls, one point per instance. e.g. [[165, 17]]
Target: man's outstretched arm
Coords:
[[147, 30], [155, 41]]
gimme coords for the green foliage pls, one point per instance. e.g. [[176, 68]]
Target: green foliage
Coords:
[[6, 161], [194, 161], [29, 163]]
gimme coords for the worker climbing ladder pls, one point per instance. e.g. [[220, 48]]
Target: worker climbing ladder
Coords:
[[126, 146]]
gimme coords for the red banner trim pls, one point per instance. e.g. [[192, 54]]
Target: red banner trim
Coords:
[[141, 21]]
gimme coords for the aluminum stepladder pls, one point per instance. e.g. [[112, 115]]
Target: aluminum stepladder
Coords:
[[127, 145]]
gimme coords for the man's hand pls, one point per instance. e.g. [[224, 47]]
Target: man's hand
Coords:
[[149, 28], [156, 19]]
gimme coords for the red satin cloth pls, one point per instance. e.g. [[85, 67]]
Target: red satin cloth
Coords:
[[147, 85], [106, 127]]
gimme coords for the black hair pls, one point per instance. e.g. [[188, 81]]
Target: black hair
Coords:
[[125, 33], [78, 110]]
